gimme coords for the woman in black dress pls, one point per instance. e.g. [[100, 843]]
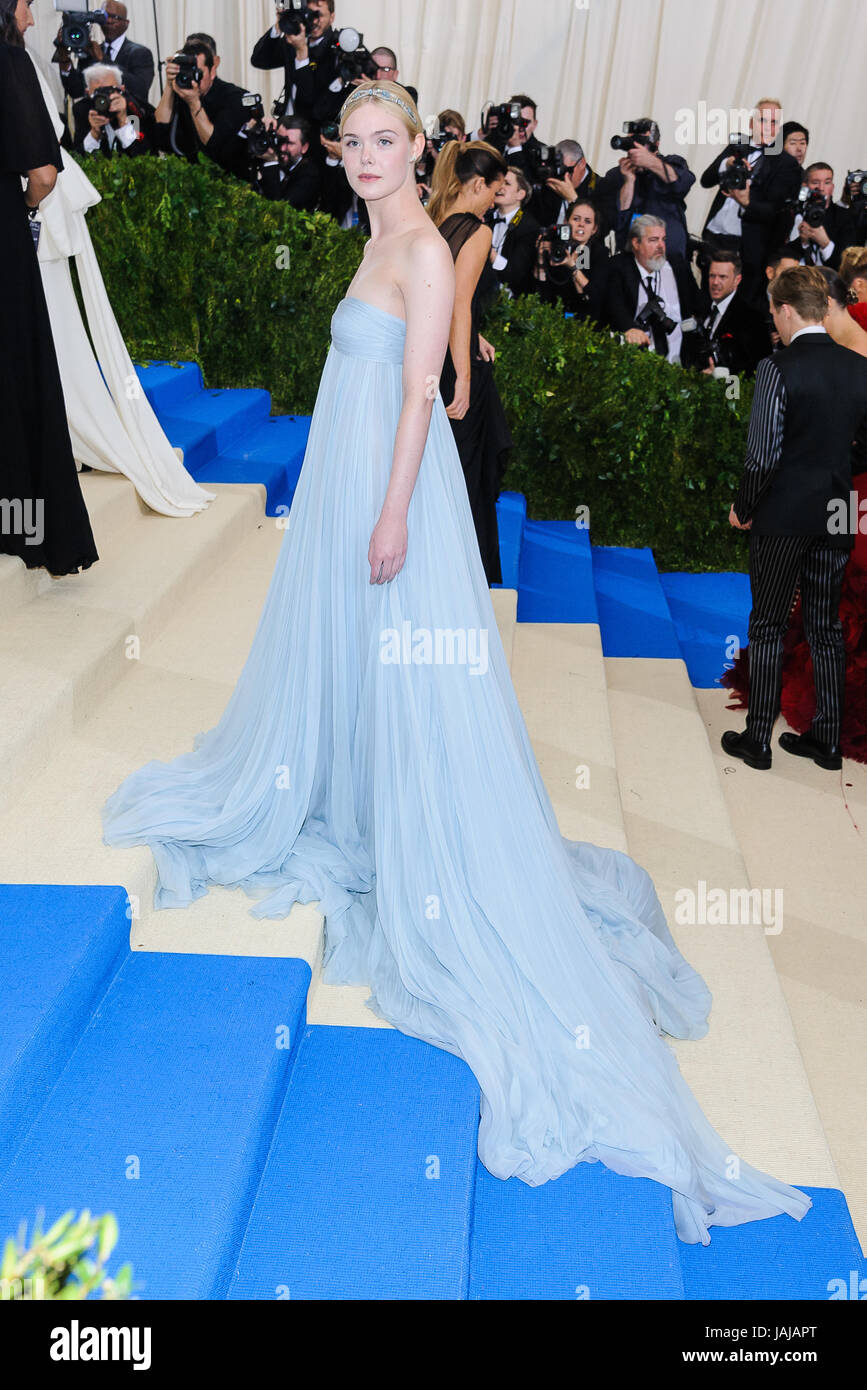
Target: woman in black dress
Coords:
[[578, 282], [465, 181], [43, 518]]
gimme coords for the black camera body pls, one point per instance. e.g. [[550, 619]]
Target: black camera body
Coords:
[[190, 74], [508, 119], [547, 164], [259, 138], [353, 59], [811, 205], [644, 132], [562, 243], [856, 182], [75, 29], [292, 19], [699, 348], [654, 311], [735, 177], [100, 100]]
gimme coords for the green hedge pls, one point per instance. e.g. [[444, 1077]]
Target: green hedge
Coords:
[[196, 264]]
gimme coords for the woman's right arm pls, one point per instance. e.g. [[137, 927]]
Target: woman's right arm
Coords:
[[468, 267], [40, 182]]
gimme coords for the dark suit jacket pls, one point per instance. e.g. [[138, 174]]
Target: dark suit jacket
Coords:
[[775, 180], [301, 186], [742, 335], [545, 204], [810, 400], [652, 195], [227, 113], [590, 304], [81, 111], [135, 61], [313, 99], [621, 299], [840, 226], [519, 249]]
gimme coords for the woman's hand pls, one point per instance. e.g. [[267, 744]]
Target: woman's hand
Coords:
[[387, 549], [461, 402], [487, 351]]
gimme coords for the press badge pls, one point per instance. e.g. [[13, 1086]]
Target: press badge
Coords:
[[35, 231]]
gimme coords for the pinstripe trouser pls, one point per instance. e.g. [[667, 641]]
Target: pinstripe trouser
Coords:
[[777, 565]]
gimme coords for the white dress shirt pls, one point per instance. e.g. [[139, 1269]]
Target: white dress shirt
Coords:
[[335, 86], [824, 252], [728, 220], [665, 285], [720, 305], [499, 236]]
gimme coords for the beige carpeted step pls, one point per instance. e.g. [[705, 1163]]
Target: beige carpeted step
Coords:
[[748, 1073]]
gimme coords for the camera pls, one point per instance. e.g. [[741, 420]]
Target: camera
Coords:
[[811, 205], [259, 138], [644, 132], [292, 18], [548, 164], [75, 30], [353, 59], [698, 347], [189, 74], [856, 183], [507, 119], [331, 130], [100, 100], [654, 310]]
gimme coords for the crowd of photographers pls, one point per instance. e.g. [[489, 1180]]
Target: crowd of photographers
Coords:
[[613, 247]]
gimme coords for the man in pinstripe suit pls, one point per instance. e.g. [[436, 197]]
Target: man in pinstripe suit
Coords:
[[809, 400]]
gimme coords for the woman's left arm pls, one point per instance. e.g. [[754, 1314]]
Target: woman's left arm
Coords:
[[428, 288]]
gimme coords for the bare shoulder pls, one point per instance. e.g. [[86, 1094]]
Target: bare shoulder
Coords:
[[426, 257]]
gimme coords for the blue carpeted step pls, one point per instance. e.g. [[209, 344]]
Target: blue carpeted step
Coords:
[[272, 454], [588, 1234], [231, 414], [197, 438], [711, 614], [511, 517], [61, 948], [164, 1113], [634, 619], [167, 384], [818, 1258], [555, 577], [367, 1193]]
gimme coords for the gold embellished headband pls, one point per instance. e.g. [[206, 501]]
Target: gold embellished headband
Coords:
[[383, 96]]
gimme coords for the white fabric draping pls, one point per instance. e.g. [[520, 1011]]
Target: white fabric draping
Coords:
[[111, 423], [590, 64]]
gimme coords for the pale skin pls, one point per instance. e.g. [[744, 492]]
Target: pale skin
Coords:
[[407, 271], [477, 197]]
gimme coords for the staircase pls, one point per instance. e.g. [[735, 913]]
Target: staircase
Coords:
[[258, 1134]]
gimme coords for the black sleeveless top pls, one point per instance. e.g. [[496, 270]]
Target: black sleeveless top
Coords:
[[457, 228]]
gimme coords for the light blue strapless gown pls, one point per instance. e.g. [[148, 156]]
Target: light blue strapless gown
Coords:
[[404, 797]]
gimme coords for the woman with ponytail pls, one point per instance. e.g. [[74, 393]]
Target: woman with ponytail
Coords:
[[44, 519], [465, 181]]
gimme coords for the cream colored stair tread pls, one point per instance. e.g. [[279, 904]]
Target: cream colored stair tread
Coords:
[[804, 828]]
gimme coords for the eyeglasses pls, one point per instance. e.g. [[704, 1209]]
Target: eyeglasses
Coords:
[[381, 68]]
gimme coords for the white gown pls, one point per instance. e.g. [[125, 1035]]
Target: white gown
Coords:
[[111, 423]]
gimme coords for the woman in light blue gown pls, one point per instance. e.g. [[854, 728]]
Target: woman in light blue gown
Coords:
[[373, 758]]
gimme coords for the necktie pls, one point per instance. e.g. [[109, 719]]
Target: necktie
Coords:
[[660, 339], [712, 320]]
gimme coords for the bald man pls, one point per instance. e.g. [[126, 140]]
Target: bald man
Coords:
[[134, 60]]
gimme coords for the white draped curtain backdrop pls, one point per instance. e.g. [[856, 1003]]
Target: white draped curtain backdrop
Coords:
[[589, 64]]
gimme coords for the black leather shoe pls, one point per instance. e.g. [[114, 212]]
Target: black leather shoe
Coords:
[[806, 746], [757, 755]]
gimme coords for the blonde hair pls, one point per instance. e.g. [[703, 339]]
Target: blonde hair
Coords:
[[390, 95], [853, 266], [456, 164]]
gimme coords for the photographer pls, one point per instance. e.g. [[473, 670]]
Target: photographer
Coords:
[[855, 199], [386, 69], [288, 172], [103, 121], [136, 62], [821, 229], [199, 112], [796, 138], [519, 144], [754, 185], [552, 201], [515, 234], [573, 273], [731, 334], [314, 86], [644, 181], [648, 294]]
